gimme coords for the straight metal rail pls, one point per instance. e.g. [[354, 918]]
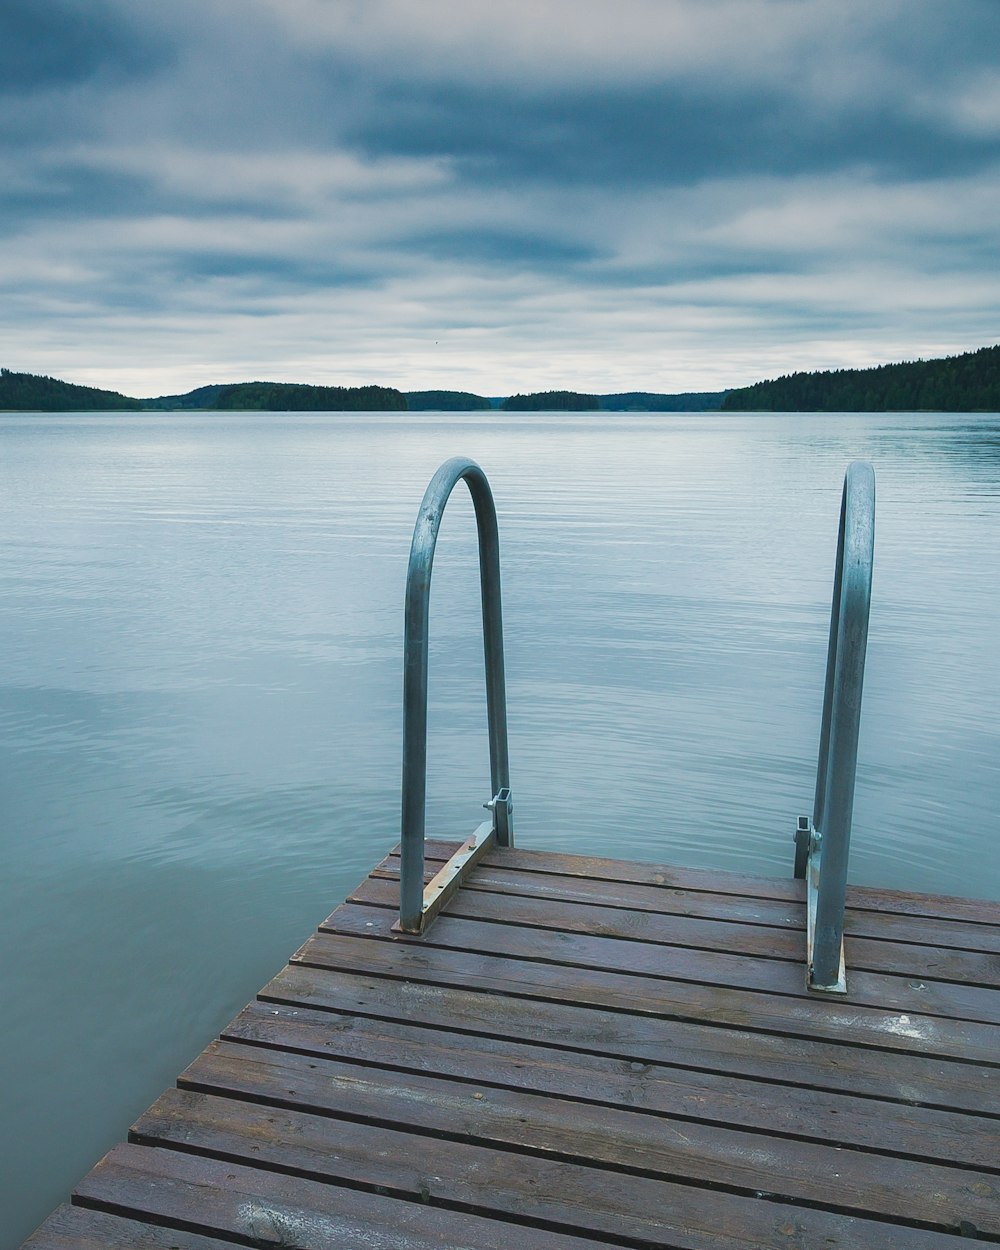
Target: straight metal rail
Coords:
[[822, 845], [419, 905]]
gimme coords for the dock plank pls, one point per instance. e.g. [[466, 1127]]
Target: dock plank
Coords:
[[77, 1228], [762, 941], [925, 993], [778, 1057], [797, 1112], [548, 1192], [498, 875], [683, 996], [629, 1142], [711, 881], [263, 1207], [583, 1053]]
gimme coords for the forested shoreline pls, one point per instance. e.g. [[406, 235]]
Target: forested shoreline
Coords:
[[966, 383], [26, 392], [969, 382]]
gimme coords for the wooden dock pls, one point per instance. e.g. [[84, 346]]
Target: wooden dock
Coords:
[[584, 1052]]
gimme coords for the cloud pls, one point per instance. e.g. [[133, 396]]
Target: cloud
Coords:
[[976, 108], [53, 44], [642, 42], [490, 247], [662, 194]]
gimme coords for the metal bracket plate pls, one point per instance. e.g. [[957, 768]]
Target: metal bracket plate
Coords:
[[447, 880], [812, 895], [502, 807]]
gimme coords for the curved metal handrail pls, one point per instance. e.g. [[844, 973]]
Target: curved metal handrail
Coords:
[[417, 905], [824, 845]]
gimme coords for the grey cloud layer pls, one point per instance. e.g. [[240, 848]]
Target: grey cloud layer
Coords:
[[686, 189], [55, 44]]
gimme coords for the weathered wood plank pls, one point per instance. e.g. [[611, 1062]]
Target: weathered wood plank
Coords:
[[710, 971], [584, 1052], [831, 1118], [808, 1061], [546, 911], [626, 1141], [713, 881], [495, 1182], [76, 1228], [265, 1208], [760, 941], [779, 913], [684, 999]]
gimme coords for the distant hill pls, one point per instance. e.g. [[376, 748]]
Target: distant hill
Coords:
[[627, 401], [26, 392], [446, 401], [30, 393], [294, 397], [647, 401], [552, 401], [200, 397], [966, 383]]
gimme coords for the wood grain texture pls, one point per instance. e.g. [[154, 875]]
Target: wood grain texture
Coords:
[[781, 1058], [608, 1137], [77, 1228], [798, 1112], [262, 1207], [760, 940], [549, 1192], [451, 954], [583, 1053], [787, 911]]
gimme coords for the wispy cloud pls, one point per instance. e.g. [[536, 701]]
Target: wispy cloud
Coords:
[[651, 193]]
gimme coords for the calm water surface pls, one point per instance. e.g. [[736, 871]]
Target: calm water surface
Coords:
[[200, 626]]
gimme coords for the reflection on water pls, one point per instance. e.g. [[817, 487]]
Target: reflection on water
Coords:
[[200, 624]]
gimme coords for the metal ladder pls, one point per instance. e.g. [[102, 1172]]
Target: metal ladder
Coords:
[[419, 905], [822, 844]]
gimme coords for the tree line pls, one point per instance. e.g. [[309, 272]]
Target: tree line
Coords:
[[297, 397], [28, 393], [966, 383], [551, 401]]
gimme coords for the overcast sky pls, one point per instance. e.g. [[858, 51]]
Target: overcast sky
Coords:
[[495, 195]]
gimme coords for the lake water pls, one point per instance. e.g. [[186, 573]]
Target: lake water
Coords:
[[200, 669]]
